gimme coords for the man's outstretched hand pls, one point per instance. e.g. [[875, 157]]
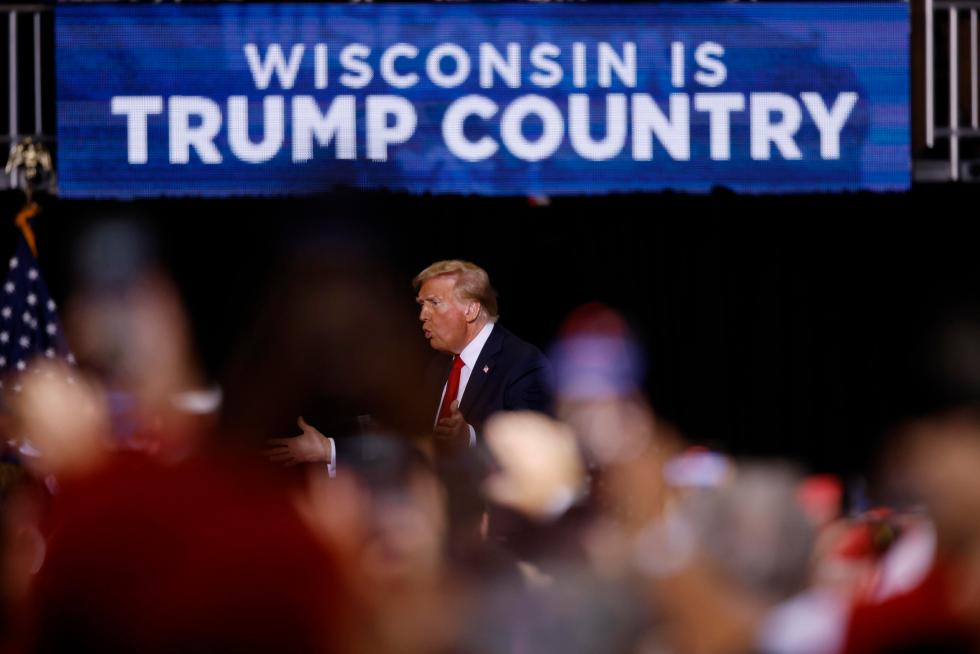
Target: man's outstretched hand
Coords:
[[309, 447]]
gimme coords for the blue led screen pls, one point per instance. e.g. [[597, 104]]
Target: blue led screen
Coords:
[[499, 99]]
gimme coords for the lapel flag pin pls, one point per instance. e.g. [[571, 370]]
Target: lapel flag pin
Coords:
[[486, 369]]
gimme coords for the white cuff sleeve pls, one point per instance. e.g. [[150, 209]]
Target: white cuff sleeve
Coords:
[[332, 464], [472, 436]]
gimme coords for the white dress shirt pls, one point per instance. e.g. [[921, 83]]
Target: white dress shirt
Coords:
[[469, 355], [332, 466]]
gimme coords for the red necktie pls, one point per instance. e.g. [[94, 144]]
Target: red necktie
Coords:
[[452, 387]]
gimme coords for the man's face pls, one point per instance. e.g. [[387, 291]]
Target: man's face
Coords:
[[443, 316]]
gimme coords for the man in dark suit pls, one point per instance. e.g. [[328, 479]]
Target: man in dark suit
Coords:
[[483, 367]]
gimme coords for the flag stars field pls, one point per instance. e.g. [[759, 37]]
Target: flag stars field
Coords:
[[36, 334]]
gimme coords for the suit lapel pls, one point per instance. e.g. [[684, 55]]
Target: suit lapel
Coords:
[[484, 368]]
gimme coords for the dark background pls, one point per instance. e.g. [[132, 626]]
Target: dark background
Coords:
[[773, 325]]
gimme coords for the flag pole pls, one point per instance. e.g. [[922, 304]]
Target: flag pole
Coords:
[[22, 220]]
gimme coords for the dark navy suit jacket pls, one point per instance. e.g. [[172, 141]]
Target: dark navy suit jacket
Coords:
[[510, 375]]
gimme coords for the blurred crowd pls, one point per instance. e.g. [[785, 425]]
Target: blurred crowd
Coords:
[[140, 512]]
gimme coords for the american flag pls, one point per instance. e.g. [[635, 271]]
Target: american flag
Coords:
[[29, 326]]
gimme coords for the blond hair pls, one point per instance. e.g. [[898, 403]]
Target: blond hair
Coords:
[[472, 282]]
